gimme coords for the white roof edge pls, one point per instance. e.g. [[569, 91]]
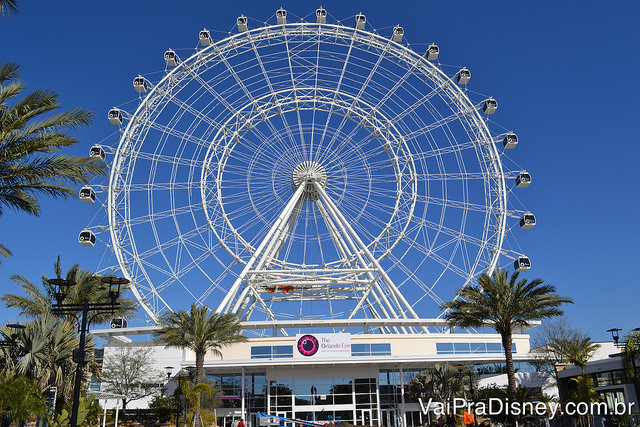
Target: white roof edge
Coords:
[[115, 333], [384, 360]]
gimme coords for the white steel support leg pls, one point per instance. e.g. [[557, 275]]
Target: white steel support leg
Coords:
[[374, 261], [277, 225], [344, 249], [356, 251]]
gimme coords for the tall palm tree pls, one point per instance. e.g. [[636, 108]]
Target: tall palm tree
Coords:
[[504, 303], [200, 331], [31, 129], [38, 300]]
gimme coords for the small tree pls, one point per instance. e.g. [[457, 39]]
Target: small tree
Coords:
[[128, 371], [164, 408], [20, 399]]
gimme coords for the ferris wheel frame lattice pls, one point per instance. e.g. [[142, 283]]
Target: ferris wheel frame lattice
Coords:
[[308, 170]]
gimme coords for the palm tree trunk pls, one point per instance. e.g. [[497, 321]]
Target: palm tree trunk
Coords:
[[507, 341], [199, 364]]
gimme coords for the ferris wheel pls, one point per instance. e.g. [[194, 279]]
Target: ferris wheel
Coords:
[[307, 170]]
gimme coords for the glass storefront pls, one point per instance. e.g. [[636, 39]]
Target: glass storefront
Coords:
[[368, 401]]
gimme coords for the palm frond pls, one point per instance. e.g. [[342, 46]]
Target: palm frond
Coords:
[[31, 130], [8, 7]]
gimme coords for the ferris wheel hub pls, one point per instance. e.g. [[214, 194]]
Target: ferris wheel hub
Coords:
[[309, 172]]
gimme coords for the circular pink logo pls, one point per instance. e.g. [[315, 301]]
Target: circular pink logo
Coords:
[[308, 345]]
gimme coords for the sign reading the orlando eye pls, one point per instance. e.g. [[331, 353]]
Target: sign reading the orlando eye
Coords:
[[322, 345]]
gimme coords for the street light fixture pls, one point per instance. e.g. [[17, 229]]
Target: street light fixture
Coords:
[[471, 373], [178, 395], [79, 354], [11, 340], [615, 334]]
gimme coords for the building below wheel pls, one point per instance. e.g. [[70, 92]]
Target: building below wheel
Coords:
[[328, 370]]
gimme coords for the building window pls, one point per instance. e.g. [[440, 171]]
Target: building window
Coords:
[[271, 352], [380, 349], [471, 348]]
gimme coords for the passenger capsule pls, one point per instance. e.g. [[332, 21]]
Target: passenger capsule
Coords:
[[205, 37], [170, 58], [398, 32], [490, 106], [360, 21], [522, 263], [523, 179], [527, 221], [281, 16], [510, 140], [87, 195], [97, 152], [242, 23], [432, 52], [115, 116], [463, 76], [321, 16], [140, 84], [87, 238]]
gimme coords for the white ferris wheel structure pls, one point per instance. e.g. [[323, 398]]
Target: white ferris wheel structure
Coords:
[[308, 171]]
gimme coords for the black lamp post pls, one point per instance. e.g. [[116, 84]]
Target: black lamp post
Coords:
[[615, 334], [178, 395], [470, 373], [79, 354]]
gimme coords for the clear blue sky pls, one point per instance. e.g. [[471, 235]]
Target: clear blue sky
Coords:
[[563, 73]]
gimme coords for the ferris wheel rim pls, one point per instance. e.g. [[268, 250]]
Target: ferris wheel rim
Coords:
[[463, 96]]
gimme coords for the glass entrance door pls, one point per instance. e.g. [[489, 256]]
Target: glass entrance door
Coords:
[[389, 418], [364, 416]]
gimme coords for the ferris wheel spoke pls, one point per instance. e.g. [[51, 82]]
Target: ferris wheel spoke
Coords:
[[163, 186], [196, 113], [456, 235], [439, 152], [411, 277], [182, 136], [269, 84], [168, 244], [160, 215], [462, 176], [251, 99], [448, 203], [356, 98], [337, 89], [294, 87]]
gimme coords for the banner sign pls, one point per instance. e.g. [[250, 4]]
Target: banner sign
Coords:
[[322, 345]]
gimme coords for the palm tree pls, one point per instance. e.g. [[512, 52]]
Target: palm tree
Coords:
[[441, 381], [199, 330], [39, 300], [576, 349], [504, 303], [30, 130], [45, 349]]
